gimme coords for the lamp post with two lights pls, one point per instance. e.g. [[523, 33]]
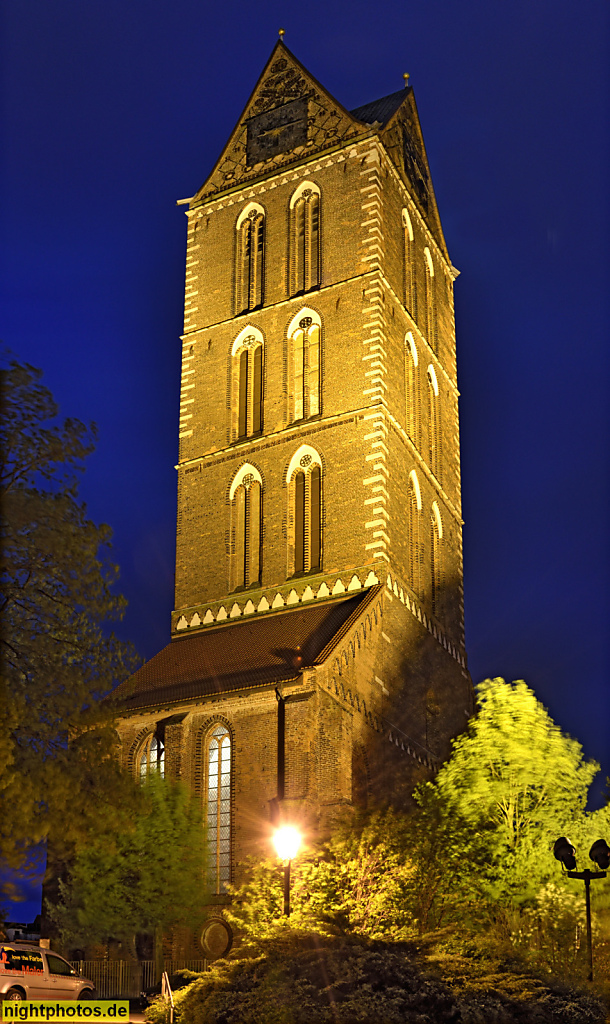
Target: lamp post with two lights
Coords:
[[600, 855]]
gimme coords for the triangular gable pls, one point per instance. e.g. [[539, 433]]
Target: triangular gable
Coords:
[[404, 142], [288, 116]]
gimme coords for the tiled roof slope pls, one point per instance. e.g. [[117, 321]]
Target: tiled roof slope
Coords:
[[249, 652], [380, 110]]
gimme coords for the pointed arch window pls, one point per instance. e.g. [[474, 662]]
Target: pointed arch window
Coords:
[[434, 440], [247, 384], [304, 350], [250, 258], [304, 479], [152, 755], [305, 238], [410, 279], [412, 392], [219, 808], [436, 569], [246, 512], [415, 539], [431, 325]]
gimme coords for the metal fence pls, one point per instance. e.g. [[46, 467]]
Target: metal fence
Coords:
[[114, 979]]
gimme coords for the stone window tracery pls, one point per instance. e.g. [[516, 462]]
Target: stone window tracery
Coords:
[[247, 384], [304, 479], [410, 280], [250, 259], [246, 535], [412, 390], [434, 439], [431, 324], [305, 238], [416, 553], [436, 568], [218, 808], [304, 366]]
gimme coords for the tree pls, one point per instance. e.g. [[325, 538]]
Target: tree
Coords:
[[58, 659], [142, 881], [515, 783]]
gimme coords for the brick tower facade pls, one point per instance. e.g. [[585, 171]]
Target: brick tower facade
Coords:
[[317, 655]]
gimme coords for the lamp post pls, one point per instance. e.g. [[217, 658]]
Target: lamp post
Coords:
[[600, 855], [287, 841]]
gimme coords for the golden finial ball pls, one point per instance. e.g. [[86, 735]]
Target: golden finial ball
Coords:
[[406, 77], [282, 33]]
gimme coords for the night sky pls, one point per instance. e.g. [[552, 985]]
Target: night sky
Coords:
[[114, 109]]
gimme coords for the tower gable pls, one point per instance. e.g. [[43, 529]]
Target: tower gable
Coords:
[[402, 137], [288, 117]]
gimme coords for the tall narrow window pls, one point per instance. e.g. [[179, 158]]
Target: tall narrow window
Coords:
[[434, 460], [415, 539], [410, 280], [436, 570], [250, 259], [304, 365], [305, 238], [412, 396], [304, 480], [219, 809], [152, 755], [246, 510], [430, 311], [247, 384]]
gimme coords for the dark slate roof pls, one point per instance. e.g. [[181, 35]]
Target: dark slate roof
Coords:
[[380, 110], [244, 653]]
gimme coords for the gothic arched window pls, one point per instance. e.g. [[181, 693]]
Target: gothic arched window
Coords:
[[434, 460], [247, 384], [246, 511], [436, 569], [415, 539], [250, 258], [412, 396], [304, 479], [304, 365], [410, 280], [431, 317], [219, 808], [305, 238], [151, 757]]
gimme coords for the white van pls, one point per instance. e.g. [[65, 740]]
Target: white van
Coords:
[[27, 972]]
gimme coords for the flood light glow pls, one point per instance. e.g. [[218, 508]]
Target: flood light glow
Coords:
[[287, 842]]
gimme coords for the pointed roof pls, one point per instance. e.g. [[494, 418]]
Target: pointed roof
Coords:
[[241, 654], [380, 111]]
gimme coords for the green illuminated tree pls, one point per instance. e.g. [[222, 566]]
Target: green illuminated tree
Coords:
[[143, 880], [60, 774]]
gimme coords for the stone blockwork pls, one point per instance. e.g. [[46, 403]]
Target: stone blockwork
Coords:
[[375, 713]]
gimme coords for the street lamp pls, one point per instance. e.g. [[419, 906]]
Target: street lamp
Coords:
[[600, 855], [287, 841]]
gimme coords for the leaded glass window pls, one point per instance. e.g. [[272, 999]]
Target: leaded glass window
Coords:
[[152, 757], [219, 808]]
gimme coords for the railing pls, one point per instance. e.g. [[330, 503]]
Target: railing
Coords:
[[114, 979]]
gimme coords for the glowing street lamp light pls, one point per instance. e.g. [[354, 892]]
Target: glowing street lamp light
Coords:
[[287, 841]]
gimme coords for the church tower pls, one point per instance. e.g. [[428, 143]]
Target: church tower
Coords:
[[317, 652]]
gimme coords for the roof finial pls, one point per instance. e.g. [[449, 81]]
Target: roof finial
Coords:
[[406, 77], [282, 33]]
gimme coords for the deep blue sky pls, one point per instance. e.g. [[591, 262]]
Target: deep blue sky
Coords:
[[113, 109]]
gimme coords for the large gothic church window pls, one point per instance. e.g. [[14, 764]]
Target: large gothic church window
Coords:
[[250, 258], [246, 511], [247, 384], [434, 460], [412, 394], [436, 569], [151, 757], [304, 365], [415, 538], [305, 238], [410, 280], [219, 808], [304, 479]]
